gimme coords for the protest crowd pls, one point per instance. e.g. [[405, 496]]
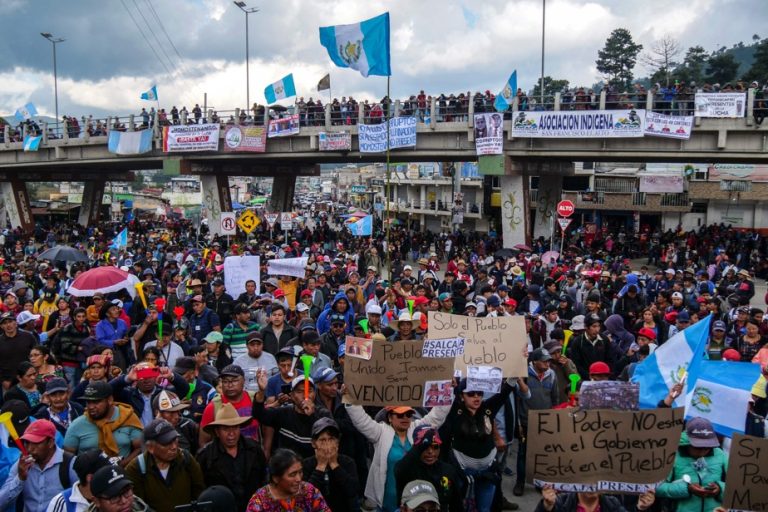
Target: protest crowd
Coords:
[[165, 388]]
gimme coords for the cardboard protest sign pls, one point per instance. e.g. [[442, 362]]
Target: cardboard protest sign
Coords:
[[602, 450], [489, 341], [450, 347], [746, 483], [395, 375]]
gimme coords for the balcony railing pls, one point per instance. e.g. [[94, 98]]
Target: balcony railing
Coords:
[[436, 207], [638, 198], [616, 185], [675, 200], [589, 198]]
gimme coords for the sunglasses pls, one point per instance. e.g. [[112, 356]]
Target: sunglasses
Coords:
[[473, 394], [401, 415], [337, 324]]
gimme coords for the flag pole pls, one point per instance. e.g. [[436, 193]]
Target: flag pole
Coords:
[[387, 220]]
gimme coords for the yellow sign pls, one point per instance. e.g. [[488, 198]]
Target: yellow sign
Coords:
[[248, 221]]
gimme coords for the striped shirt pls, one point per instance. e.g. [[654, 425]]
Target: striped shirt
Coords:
[[235, 336]]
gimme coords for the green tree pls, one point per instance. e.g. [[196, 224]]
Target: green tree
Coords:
[[722, 68], [692, 68], [759, 69], [551, 86], [618, 57]]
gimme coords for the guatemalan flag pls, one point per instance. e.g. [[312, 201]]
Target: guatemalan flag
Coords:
[[32, 143], [26, 112], [507, 95], [363, 227], [130, 143], [121, 240], [283, 88], [361, 46], [721, 393], [681, 356], [150, 95]]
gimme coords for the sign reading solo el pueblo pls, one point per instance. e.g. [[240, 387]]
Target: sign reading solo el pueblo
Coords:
[[489, 341]]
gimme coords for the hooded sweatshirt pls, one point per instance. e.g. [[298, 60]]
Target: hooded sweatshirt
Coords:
[[324, 322]]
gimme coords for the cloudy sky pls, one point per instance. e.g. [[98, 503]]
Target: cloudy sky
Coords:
[[115, 49]]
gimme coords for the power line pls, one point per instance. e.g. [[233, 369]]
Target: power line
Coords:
[[146, 39], [157, 39], [162, 27]]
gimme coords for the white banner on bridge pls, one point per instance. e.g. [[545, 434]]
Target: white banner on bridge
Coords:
[[674, 127], [579, 124], [191, 137], [720, 104], [288, 267], [372, 138]]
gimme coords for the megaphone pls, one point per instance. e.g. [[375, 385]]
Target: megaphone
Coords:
[[6, 419]]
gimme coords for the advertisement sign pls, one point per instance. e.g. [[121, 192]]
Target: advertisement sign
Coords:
[[489, 133], [720, 104], [673, 127], [251, 139], [579, 124], [341, 141], [191, 137], [372, 138], [284, 127]]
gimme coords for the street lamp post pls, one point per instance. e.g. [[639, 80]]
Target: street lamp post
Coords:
[[54, 41], [247, 11]]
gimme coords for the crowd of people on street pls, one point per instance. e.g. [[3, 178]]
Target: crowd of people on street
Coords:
[[169, 390]]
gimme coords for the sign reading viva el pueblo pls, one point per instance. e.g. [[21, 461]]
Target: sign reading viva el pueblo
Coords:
[[602, 450], [488, 341], [746, 483], [579, 124], [396, 373]]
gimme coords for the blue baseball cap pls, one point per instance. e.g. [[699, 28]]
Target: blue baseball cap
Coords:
[[322, 375]]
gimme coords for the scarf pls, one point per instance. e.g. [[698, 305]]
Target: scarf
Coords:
[[125, 418]]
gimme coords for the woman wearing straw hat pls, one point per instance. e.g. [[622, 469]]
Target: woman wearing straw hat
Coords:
[[405, 328]]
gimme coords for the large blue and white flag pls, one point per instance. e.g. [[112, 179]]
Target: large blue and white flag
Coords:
[[283, 88], [121, 240], [680, 357], [130, 143], [361, 46], [32, 143], [363, 227], [26, 112], [507, 95], [722, 393], [150, 95]]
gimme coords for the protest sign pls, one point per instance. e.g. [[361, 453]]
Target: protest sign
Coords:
[[341, 141], [490, 341], [602, 450], [295, 267], [439, 392], [484, 378], [372, 138], [251, 139], [288, 125], [450, 347], [720, 104], [395, 375], [489, 134], [662, 125], [579, 124], [746, 483], [238, 270], [610, 394], [362, 348], [191, 137]]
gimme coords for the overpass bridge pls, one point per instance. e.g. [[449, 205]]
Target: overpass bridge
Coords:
[[88, 159]]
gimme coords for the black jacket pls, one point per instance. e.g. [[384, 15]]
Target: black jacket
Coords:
[[271, 343], [339, 486], [448, 482]]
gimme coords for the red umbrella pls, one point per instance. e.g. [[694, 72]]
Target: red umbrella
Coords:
[[523, 247], [104, 280]]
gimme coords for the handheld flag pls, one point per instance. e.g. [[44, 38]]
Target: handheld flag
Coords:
[[325, 83], [150, 95], [363, 227], [362, 46], [283, 88], [32, 143], [121, 240], [507, 95], [26, 112], [673, 362]]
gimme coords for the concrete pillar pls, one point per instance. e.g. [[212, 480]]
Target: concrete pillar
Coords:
[[649, 101], [216, 199], [282, 193], [423, 196], [550, 190], [17, 205], [328, 120], [237, 116], [45, 133], [398, 108], [93, 194], [602, 99], [361, 113], [433, 113], [558, 99], [514, 209], [7, 135]]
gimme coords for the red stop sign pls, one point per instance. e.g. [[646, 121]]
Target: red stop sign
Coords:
[[565, 208]]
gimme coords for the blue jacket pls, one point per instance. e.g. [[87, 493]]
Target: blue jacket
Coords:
[[324, 324]]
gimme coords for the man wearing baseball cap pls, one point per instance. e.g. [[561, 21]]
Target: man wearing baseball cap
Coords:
[[333, 473], [237, 332], [15, 346], [167, 406], [60, 409], [419, 494], [113, 492], [232, 391], [40, 476], [78, 497]]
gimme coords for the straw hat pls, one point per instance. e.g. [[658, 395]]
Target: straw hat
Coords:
[[227, 416], [404, 317]]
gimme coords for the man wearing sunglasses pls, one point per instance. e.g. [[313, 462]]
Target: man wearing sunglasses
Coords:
[[113, 492]]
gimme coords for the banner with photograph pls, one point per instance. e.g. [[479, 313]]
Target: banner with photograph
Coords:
[[663, 184], [335, 141], [284, 126], [372, 138], [191, 137], [489, 133], [579, 124], [662, 125], [720, 104], [251, 139]]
